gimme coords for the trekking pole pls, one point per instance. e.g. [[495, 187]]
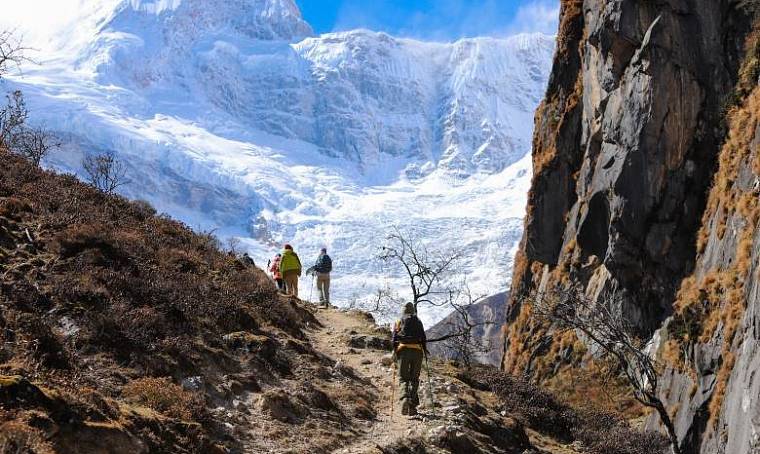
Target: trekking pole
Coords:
[[430, 384], [311, 288], [393, 390]]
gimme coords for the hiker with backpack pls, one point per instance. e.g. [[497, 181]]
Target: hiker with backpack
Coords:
[[274, 268], [290, 269], [321, 270], [409, 349]]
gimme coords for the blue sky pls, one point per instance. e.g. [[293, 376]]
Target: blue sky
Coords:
[[433, 19]]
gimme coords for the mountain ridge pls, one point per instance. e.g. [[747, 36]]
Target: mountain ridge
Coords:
[[321, 142]]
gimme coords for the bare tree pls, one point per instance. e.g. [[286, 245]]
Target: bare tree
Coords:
[[105, 172], [12, 118], [430, 276], [425, 270], [233, 245], [11, 52], [594, 318], [35, 144]]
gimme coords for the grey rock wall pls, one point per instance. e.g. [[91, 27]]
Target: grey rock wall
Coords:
[[621, 183]]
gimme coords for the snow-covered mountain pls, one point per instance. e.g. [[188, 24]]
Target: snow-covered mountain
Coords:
[[234, 117]]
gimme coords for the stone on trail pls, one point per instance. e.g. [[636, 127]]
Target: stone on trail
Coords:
[[370, 342], [386, 360]]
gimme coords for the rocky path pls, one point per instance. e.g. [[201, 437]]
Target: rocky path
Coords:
[[459, 419], [333, 339]]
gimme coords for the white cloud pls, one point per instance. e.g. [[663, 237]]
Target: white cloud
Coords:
[[536, 16]]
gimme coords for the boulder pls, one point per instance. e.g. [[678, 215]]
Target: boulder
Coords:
[[370, 342]]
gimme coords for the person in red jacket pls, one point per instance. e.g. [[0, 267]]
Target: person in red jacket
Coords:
[[275, 270]]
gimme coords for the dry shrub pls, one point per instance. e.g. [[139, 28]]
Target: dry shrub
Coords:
[[166, 397], [600, 432], [142, 210], [81, 237], [534, 406], [13, 208], [19, 438], [596, 385], [147, 295]]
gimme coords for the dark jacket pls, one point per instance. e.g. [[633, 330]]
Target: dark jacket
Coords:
[[409, 330], [323, 264]]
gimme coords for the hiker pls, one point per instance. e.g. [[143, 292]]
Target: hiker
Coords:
[[321, 270], [290, 269], [274, 268], [409, 348]]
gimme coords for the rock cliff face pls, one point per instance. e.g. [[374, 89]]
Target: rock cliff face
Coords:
[[648, 103]]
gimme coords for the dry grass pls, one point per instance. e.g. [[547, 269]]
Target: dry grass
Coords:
[[107, 294], [18, 438], [164, 396], [717, 300], [600, 432], [716, 402]]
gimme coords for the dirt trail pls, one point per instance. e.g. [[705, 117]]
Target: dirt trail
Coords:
[[332, 339], [453, 399]]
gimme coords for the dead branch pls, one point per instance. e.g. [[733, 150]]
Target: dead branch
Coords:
[[571, 309], [105, 172], [35, 144]]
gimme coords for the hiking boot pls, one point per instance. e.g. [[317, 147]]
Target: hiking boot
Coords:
[[405, 408], [411, 411]]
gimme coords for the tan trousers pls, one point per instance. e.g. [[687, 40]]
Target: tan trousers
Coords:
[[323, 286], [291, 282]]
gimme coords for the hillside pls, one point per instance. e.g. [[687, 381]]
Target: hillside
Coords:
[[123, 331], [490, 313], [232, 116], [645, 187]]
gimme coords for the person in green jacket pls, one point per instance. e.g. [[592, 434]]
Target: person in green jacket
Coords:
[[290, 269]]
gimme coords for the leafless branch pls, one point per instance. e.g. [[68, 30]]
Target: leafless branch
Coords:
[[430, 275], [424, 270], [593, 318], [12, 118], [105, 172], [12, 52], [35, 143]]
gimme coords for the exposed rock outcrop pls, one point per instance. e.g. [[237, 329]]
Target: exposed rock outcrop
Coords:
[[626, 146]]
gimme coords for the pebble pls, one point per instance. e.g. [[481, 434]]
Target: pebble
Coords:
[[192, 383], [452, 408]]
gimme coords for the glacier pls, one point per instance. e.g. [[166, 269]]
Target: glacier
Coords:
[[234, 117]]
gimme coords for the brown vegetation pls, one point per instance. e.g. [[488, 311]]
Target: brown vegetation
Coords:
[[599, 432], [98, 293], [166, 397], [713, 304]]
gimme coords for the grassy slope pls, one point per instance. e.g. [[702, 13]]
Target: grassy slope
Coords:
[[107, 308]]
